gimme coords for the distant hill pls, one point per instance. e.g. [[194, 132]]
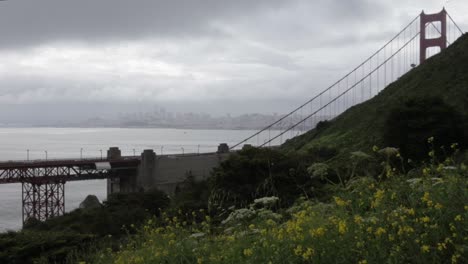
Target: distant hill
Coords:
[[361, 127]]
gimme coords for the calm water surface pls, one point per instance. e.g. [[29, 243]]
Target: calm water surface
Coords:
[[88, 142]]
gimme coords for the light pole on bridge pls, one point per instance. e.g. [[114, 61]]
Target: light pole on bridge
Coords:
[[81, 153], [45, 154], [27, 156], [162, 147], [101, 153]]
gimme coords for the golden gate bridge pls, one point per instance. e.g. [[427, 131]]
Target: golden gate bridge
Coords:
[[423, 37]]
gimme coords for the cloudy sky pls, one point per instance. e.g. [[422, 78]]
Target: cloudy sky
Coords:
[[71, 59]]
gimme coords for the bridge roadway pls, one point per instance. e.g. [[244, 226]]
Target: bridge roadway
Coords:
[[45, 171], [63, 170]]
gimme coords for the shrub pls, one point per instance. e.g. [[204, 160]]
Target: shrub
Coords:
[[252, 173], [409, 125]]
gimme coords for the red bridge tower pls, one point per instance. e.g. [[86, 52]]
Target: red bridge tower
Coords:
[[426, 43]]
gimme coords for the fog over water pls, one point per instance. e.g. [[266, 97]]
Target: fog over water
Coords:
[[67, 143]]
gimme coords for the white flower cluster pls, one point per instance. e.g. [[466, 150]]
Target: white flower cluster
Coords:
[[197, 235], [416, 182], [266, 201], [245, 214], [239, 215], [268, 214]]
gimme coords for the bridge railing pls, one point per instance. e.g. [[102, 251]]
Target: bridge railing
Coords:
[[37, 155]]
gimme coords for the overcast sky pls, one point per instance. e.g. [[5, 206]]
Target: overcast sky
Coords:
[[187, 55]]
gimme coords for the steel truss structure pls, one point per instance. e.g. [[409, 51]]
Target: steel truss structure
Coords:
[[50, 171], [42, 201], [43, 182]]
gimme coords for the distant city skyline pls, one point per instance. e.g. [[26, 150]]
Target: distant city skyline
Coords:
[[160, 117]]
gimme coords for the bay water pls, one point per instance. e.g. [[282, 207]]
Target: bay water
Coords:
[[58, 143]]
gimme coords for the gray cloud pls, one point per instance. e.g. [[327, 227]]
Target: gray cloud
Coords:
[[33, 22], [210, 55]]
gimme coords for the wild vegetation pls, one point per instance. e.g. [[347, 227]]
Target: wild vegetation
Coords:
[[414, 217], [59, 239], [390, 185]]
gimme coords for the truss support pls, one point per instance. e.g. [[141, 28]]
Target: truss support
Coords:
[[42, 201]]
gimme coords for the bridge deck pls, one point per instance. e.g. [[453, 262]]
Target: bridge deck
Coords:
[[62, 170], [44, 171]]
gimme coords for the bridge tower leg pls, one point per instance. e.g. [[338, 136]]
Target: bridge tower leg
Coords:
[[426, 43], [113, 184], [42, 201]]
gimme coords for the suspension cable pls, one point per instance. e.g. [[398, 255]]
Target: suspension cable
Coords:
[[343, 93], [455, 23], [327, 89]]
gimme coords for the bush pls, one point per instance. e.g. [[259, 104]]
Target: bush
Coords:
[[252, 173], [191, 195], [409, 126]]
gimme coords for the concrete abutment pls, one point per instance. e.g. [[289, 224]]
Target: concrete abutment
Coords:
[[164, 172]]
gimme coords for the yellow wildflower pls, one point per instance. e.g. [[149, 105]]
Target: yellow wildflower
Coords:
[[452, 227], [458, 218], [405, 229], [425, 248], [380, 231], [378, 197], [425, 219], [308, 253], [441, 246], [342, 228], [341, 202], [317, 232], [248, 252], [427, 199], [358, 219], [298, 250], [426, 171]]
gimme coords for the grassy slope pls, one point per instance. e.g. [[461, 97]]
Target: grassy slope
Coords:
[[360, 127]]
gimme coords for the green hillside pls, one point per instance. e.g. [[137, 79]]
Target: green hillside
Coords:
[[361, 127]]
